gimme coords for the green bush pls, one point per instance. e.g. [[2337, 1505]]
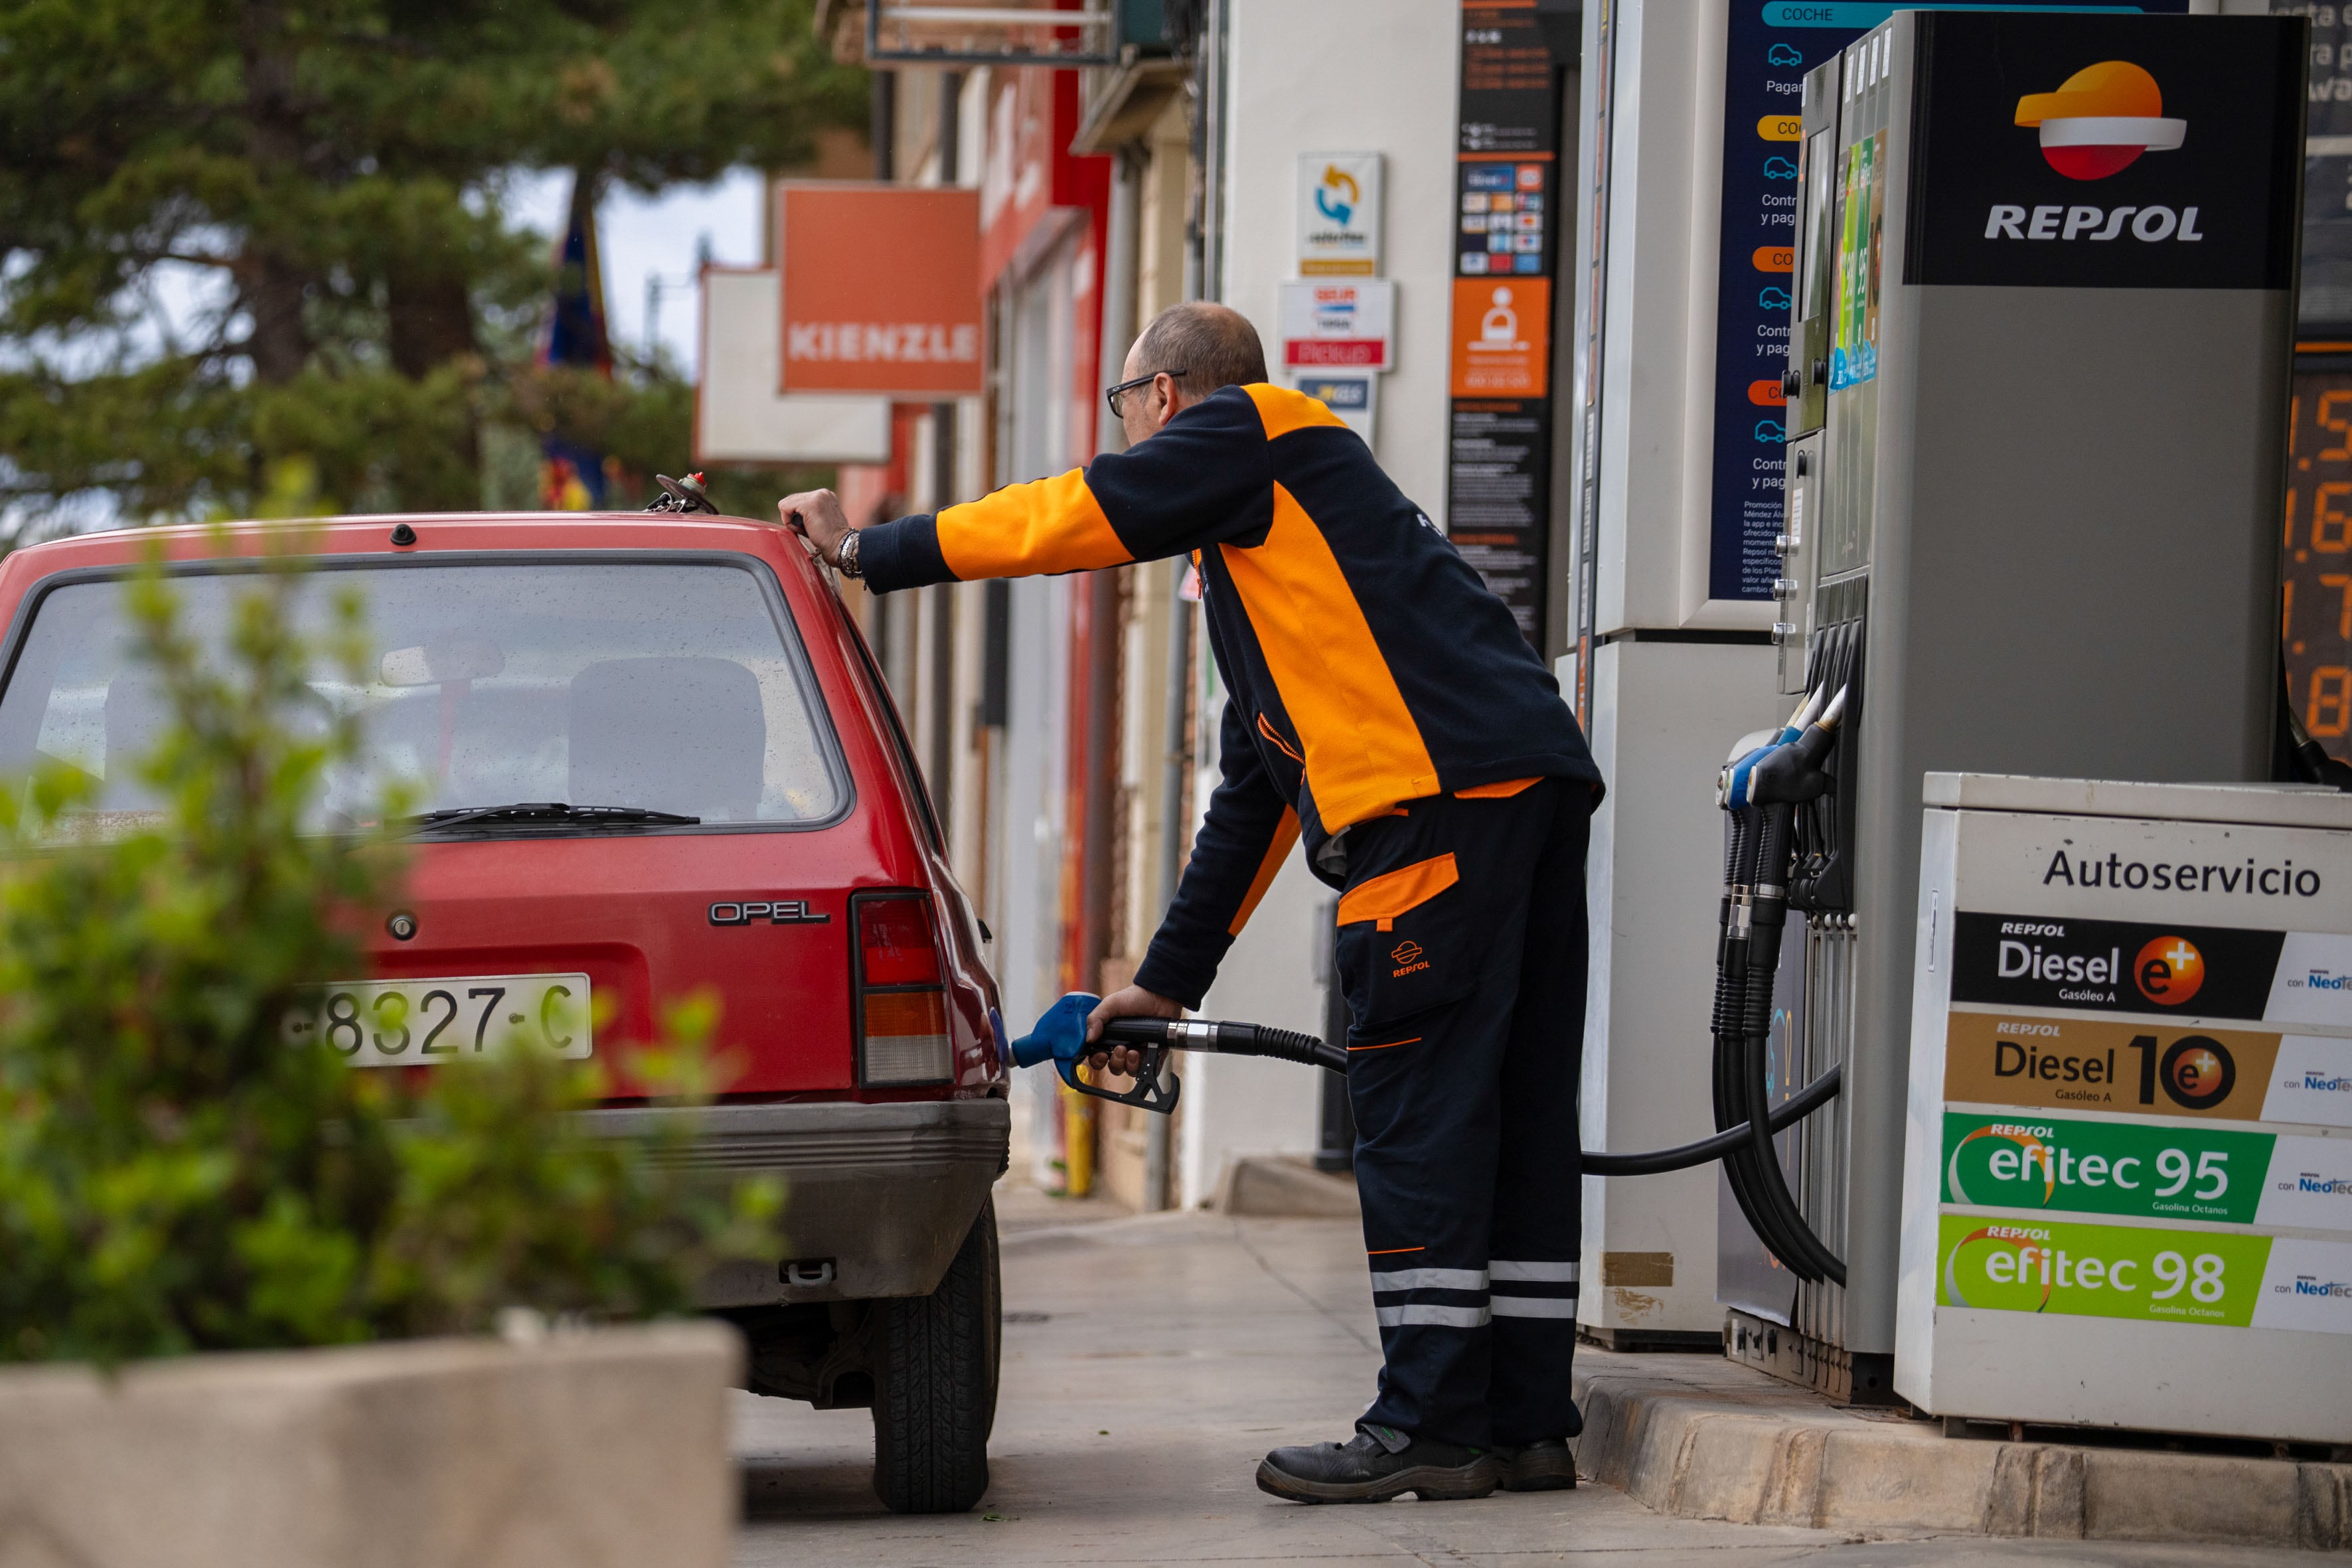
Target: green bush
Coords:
[[174, 1176]]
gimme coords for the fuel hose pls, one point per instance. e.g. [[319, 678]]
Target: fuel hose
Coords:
[[1234, 1039]]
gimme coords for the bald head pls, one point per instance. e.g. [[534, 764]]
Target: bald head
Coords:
[[1214, 345]]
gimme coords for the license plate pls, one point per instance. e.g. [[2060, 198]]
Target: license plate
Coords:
[[427, 1022]]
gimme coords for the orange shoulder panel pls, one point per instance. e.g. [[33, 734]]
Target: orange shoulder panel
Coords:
[[1364, 750], [1282, 409], [1026, 530]]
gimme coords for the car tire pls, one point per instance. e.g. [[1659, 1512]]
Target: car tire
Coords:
[[935, 1370]]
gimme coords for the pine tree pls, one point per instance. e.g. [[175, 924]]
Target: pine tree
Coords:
[[326, 173]]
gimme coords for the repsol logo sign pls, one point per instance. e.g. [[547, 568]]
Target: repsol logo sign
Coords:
[[2149, 226]]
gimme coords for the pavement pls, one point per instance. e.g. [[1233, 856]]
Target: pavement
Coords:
[[1151, 1360]]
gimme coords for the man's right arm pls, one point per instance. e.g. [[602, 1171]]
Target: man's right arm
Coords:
[[1202, 477], [1243, 840]]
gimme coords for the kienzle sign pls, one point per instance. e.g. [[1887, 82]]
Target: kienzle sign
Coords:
[[2080, 151]]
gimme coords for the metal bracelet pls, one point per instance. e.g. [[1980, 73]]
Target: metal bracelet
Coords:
[[845, 558]]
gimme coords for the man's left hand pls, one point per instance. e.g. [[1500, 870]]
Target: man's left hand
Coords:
[[1134, 1002]]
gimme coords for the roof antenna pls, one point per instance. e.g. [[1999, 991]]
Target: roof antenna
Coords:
[[682, 495]]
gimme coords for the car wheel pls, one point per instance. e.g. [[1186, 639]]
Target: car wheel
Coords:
[[935, 1359]]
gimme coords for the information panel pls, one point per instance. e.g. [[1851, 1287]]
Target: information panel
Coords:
[[1507, 225]]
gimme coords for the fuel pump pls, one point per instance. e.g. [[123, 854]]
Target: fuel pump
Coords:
[[2032, 483]]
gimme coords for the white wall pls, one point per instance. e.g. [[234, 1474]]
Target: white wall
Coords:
[[1664, 712], [1349, 76]]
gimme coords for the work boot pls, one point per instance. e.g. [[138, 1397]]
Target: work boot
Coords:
[[1376, 1464], [1543, 1466]]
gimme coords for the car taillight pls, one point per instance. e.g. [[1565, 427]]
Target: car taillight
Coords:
[[901, 994]]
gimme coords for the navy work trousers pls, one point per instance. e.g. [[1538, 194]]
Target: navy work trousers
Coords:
[[1461, 951]]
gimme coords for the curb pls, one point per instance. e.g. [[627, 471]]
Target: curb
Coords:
[[1704, 1438], [1284, 1186]]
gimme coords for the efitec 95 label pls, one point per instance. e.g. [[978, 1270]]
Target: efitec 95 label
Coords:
[[2211, 1277], [2147, 1170]]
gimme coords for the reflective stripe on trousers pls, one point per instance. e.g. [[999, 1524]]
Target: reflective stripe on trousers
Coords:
[[1512, 1289]]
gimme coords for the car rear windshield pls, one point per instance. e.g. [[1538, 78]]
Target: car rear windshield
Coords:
[[666, 687]]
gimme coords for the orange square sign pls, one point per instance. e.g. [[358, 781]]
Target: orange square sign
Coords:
[[1502, 337], [881, 289]]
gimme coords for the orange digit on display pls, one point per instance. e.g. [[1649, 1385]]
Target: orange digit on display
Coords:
[[2328, 402], [2331, 531], [2329, 711]]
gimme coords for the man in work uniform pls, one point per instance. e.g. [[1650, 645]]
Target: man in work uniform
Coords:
[[1383, 703]]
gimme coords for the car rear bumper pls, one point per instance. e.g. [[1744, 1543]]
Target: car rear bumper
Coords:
[[883, 1193]]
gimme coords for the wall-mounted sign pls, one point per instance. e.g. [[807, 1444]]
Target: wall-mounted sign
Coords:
[[881, 289], [1328, 324], [1338, 215], [739, 414], [1353, 395], [1502, 337]]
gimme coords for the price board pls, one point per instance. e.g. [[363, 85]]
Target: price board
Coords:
[[2315, 556], [2129, 1140]]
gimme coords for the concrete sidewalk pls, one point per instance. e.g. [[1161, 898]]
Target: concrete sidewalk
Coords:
[[1151, 1361]]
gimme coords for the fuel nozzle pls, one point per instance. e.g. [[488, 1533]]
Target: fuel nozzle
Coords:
[[1732, 789], [1790, 774], [1060, 1037]]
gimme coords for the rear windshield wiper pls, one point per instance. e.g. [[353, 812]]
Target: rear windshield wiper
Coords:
[[553, 813]]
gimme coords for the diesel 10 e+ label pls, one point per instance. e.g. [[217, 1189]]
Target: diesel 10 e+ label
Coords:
[[2147, 1171], [2085, 1063], [2212, 1278]]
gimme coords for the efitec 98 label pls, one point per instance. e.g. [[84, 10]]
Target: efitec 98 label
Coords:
[[2210, 1278]]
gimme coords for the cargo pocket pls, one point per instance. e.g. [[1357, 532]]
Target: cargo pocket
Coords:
[[1400, 946]]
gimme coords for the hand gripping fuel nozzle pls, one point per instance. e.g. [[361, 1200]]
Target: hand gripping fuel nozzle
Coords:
[[1060, 1037]]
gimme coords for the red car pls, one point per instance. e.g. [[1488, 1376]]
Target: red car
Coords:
[[655, 757]]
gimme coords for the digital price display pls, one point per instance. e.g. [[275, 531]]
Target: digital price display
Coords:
[[2316, 557]]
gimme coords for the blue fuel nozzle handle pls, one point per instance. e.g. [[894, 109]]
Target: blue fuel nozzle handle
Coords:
[[1060, 1037]]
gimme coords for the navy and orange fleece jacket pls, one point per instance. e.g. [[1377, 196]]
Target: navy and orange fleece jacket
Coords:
[[1364, 661]]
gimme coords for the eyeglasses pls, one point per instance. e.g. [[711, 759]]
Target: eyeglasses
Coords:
[[1123, 387]]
